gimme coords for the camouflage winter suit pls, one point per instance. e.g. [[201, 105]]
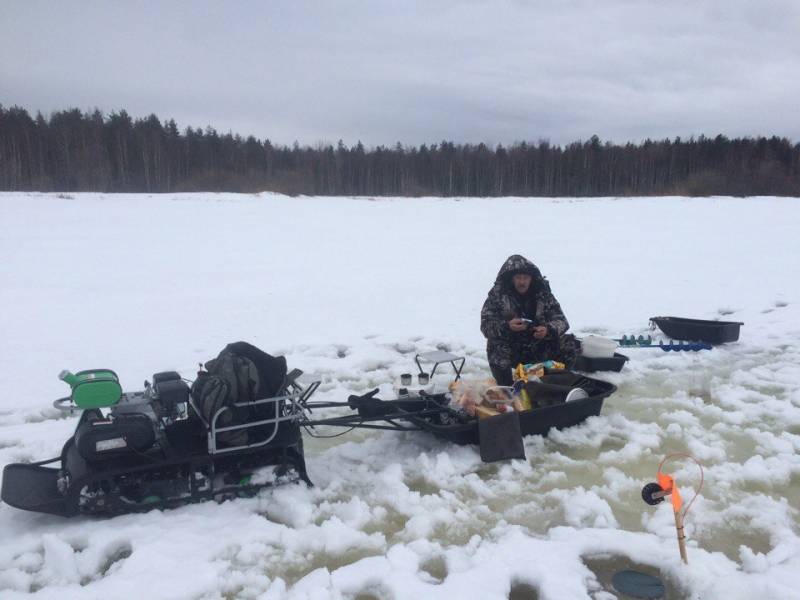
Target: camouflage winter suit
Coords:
[[506, 348]]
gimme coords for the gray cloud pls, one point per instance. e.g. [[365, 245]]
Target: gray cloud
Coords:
[[384, 71]]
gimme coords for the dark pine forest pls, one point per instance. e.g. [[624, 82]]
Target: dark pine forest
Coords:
[[89, 151]]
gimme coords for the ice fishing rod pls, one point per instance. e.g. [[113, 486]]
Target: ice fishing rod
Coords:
[[655, 492]]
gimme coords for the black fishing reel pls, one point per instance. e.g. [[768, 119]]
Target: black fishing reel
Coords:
[[653, 493]]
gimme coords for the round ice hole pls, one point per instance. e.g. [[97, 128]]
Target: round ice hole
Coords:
[[638, 585]]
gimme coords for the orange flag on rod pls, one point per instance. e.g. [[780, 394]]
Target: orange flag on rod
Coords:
[[667, 483]]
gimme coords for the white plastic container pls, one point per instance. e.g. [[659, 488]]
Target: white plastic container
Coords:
[[595, 346], [576, 394]]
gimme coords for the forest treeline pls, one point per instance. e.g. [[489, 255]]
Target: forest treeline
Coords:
[[89, 151]]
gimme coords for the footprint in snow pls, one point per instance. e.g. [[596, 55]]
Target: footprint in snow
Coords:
[[777, 304], [435, 568], [404, 348], [369, 366], [115, 554], [60, 555]]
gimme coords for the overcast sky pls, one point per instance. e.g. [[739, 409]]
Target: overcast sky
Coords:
[[388, 71]]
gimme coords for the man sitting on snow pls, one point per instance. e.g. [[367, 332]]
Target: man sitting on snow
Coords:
[[523, 322]]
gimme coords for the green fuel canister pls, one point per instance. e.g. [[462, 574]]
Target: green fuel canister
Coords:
[[97, 388]]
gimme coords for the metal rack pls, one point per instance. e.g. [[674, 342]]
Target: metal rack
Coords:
[[439, 357]]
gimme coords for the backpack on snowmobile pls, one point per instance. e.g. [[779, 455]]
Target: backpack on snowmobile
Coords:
[[226, 393]]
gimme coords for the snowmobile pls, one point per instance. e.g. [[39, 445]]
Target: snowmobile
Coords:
[[157, 448]]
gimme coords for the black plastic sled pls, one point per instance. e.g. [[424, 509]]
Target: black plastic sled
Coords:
[[432, 413], [699, 330]]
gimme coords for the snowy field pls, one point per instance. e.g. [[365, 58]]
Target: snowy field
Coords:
[[349, 289]]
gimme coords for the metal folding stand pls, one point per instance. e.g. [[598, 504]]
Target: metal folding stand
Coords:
[[439, 357]]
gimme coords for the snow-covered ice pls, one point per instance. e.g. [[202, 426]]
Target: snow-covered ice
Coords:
[[350, 289]]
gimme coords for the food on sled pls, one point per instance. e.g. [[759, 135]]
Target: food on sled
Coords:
[[236, 431]]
